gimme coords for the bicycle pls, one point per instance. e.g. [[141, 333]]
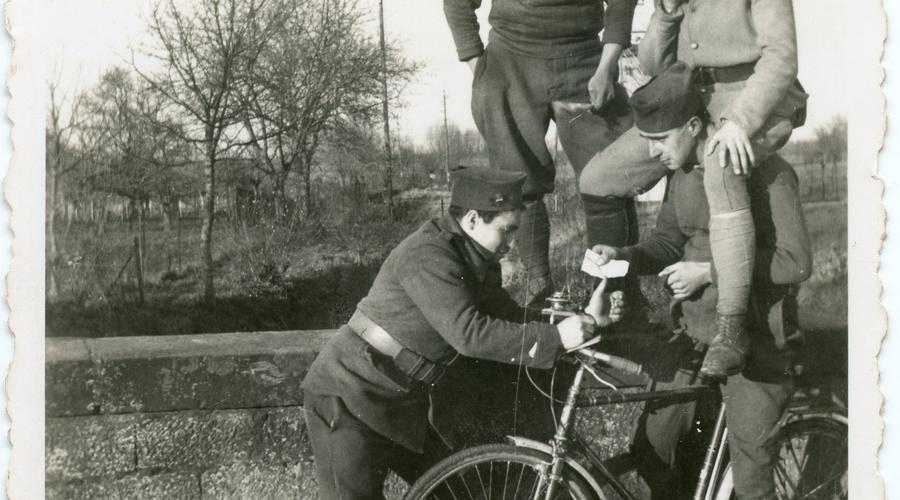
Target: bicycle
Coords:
[[810, 441]]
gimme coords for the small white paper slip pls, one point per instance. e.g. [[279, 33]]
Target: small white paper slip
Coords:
[[612, 269]]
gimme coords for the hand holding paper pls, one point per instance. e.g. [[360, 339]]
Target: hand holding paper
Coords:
[[596, 265]]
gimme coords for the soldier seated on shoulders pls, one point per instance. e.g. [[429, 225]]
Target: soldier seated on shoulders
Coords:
[[438, 294]]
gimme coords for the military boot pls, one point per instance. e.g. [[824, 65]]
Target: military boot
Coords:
[[728, 350]]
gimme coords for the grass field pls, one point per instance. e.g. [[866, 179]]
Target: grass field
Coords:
[[310, 275]]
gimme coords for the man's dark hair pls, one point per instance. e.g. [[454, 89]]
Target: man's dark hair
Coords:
[[458, 212]]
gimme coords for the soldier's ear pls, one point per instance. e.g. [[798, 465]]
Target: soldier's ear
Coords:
[[695, 125], [470, 219]]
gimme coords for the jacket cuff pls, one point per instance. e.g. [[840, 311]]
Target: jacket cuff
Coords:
[[625, 253], [616, 34], [547, 346], [470, 51]]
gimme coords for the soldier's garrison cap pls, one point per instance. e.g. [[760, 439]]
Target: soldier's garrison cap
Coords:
[[667, 101], [483, 188]]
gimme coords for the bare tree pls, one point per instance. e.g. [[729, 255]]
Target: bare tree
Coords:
[[203, 51], [144, 156], [68, 148], [455, 145], [319, 70], [831, 142]]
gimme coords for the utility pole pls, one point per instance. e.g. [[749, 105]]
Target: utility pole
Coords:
[[446, 143], [384, 111]]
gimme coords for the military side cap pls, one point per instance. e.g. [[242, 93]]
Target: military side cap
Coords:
[[483, 188], [667, 101]]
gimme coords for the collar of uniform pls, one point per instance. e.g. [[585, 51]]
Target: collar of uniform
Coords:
[[476, 255]]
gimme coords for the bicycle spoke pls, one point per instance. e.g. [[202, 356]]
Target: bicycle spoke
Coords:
[[491, 482], [504, 481], [466, 486], [827, 481], [535, 488], [540, 483], [801, 464], [807, 469], [784, 478], [480, 480], [447, 485], [519, 482]]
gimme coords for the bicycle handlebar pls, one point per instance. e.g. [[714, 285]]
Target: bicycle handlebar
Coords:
[[617, 362]]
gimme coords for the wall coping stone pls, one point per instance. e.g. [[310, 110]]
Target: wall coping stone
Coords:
[[117, 375]]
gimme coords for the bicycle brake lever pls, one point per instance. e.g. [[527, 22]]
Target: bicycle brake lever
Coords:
[[600, 379]]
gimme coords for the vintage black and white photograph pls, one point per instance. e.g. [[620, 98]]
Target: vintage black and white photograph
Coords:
[[508, 249]]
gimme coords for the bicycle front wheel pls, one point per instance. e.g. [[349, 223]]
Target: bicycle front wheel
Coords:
[[496, 471], [811, 460]]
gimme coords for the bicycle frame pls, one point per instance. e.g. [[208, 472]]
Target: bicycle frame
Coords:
[[564, 442], [567, 462]]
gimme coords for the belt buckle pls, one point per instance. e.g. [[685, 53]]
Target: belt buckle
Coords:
[[418, 368], [429, 373], [440, 370], [706, 76]]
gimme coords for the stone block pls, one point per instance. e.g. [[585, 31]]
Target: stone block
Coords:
[[241, 481], [69, 378], [81, 447], [140, 486], [280, 435], [199, 439]]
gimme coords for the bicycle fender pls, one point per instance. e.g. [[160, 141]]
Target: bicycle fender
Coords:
[[575, 466]]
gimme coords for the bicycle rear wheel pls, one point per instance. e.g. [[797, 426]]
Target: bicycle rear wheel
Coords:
[[496, 472], [811, 460]]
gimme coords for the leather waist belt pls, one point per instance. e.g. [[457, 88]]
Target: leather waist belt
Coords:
[[727, 74], [414, 365]]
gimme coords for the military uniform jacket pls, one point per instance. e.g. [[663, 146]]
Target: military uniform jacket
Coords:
[[783, 256], [438, 293], [542, 29], [721, 33]]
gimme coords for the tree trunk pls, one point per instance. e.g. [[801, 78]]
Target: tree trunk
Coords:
[[167, 216], [208, 197], [834, 177], [178, 238], [52, 285], [282, 202], [388, 157], [307, 186], [142, 226], [822, 177]]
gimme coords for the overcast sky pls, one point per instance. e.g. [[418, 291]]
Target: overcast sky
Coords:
[[87, 36]]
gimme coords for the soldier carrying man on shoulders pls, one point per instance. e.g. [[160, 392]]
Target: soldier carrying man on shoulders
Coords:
[[670, 115]]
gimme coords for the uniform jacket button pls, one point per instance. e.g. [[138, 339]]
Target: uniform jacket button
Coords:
[[694, 45]]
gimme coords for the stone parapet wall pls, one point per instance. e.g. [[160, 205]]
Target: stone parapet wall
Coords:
[[194, 416], [240, 454], [220, 416]]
